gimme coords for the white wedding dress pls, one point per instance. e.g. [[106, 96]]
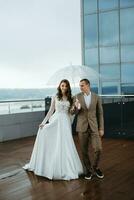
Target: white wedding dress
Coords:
[[54, 154]]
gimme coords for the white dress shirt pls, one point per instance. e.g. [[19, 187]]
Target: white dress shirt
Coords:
[[87, 99]]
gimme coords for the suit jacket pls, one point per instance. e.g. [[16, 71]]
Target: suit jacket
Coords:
[[92, 116]]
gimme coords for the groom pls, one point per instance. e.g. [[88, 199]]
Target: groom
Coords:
[[90, 127]]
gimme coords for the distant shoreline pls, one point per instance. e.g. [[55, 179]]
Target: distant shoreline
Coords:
[[42, 93]]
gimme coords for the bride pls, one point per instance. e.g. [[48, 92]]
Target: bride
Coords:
[[54, 154]]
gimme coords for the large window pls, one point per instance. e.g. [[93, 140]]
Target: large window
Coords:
[[127, 73], [90, 31], [109, 43], [109, 28], [127, 88], [110, 87], [108, 4], [127, 25], [109, 54], [126, 3], [90, 6], [110, 72], [127, 53], [91, 56]]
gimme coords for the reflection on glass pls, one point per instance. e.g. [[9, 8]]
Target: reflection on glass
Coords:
[[127, 73], [127, 53], [125, 3], [110, 88], [127, 89], [90, 31], [109, 28], [94, 87], [105, 4], [90, 6], [110, 72], [127, 25], [94, 67], [91, 56], [109, 54]]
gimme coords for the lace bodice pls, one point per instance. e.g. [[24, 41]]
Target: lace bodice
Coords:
[[58, 107], [62, 106]]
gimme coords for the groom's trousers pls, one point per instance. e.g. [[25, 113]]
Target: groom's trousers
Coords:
[[87, 138]]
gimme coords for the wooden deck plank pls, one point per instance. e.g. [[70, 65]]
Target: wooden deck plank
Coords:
[[117, 163]]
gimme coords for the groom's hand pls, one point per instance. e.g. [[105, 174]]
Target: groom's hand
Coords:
[[77, 104]]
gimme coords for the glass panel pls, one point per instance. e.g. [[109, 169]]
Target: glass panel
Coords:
[[112, 116], [21, 107], [109, 28], [127, 73], [110, 72], [90, 31], [94, 67], [127, 53], [90, 6], [91, 56], [4, 108], [127, 25], [94, 87], [125, 3], [109, 55], [110, 88], [127, 89], [105, 4]]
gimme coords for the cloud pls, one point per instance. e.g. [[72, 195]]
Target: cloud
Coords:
[[37, 36]]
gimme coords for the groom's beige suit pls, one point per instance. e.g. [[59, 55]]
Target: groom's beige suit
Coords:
[[89, 122]]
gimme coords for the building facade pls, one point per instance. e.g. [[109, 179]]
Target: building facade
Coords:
[[108, 43]]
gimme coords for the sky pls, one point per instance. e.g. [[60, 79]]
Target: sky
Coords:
[[37, 38]]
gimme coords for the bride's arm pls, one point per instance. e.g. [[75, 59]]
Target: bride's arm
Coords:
[[50, 112]]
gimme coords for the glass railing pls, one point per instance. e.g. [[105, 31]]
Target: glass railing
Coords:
[[118, 112], [116, 98], [22, 106], [32, 105], [118, 115]]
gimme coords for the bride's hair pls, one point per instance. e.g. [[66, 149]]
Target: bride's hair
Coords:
[[68, 92]]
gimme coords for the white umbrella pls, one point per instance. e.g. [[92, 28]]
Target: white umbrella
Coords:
[[73, 74]]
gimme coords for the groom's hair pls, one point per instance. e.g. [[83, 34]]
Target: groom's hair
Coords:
[[86, 81]]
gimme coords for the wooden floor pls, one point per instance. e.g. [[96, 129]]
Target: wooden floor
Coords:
[[117, 164]]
